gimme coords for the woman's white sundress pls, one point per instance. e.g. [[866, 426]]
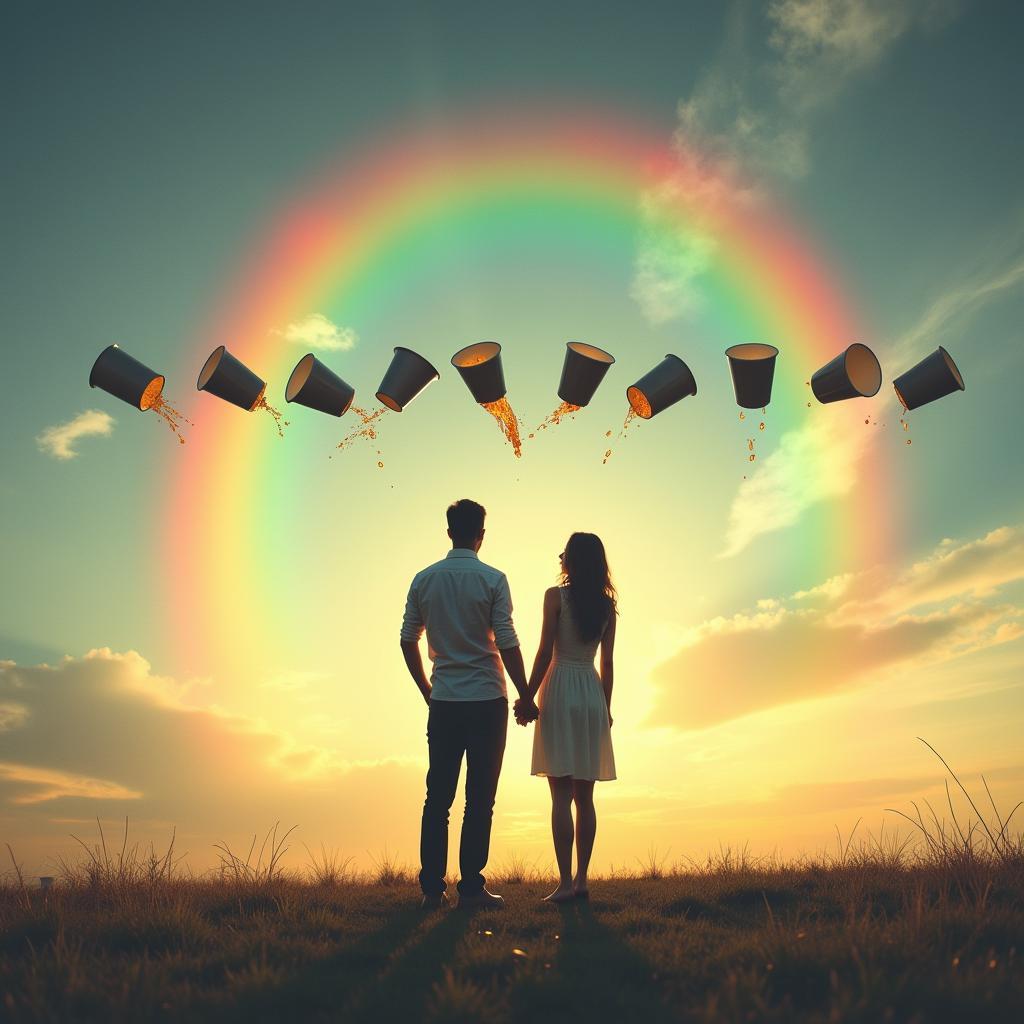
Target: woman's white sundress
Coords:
[[572, 735]]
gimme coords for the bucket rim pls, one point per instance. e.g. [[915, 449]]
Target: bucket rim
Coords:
[[846, 355], [202, 387], [575, 346], [759, 344], [465, 348], [957, 375]]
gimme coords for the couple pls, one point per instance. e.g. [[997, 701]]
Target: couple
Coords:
[[466, 609]]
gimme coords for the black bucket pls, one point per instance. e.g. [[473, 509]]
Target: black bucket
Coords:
[[126, 378], [752, 367], [854, 373], [934, 377], [316, 386], [669, 382], [583, 370], [479, 366], [228, 378], [408, 374]]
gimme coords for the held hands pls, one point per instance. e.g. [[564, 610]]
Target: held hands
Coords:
[[526, 711]]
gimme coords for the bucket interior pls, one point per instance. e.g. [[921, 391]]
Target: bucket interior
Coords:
[[474, 355], [952, 368], [299, 376], [752, 350], [259, 398], [388, 401], [863, 370], [638, 402], [210, 366], [153, 391], [591, 352]]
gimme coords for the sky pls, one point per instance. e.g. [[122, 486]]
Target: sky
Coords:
[[204, 637]]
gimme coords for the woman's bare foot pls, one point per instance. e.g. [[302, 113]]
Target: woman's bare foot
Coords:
[[562, 894]]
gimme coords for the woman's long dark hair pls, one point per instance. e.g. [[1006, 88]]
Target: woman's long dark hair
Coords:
[[592, 595]]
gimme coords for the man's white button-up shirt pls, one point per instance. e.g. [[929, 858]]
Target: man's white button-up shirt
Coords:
[[466, 608]]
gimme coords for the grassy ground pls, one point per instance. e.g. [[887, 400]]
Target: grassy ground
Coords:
[[873, 935]]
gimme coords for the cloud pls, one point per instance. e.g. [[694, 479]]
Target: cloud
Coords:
[[847, 632], [58, 440], [315, 331], [812, 463], [747, 121], [104, 735], [47, 784], [820, 44], [951, 308]]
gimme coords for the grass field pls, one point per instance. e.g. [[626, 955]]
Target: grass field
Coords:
[[881, 932]]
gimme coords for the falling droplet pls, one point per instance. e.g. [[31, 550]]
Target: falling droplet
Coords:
[[866, 421], [743, 415], [808, 405], [752, 457], [380, 465], [909, 441], [608, 433], [750, 444], [760, 426]]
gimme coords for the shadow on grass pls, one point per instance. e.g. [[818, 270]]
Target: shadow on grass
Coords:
[[598, 976], [362, 979]]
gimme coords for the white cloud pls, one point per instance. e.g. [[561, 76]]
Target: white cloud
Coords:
[[315, 331], [815, 462], [746, 121], [821, 43], [58, 440], [849, 631], [949, 310]]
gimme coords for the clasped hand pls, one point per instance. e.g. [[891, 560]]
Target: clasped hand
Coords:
[[526, 711]]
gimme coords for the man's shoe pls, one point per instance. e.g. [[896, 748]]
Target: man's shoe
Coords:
[[434, 901], [482, 900]]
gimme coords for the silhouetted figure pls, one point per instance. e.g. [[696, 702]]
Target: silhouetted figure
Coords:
[[466, 608], [572, 744]]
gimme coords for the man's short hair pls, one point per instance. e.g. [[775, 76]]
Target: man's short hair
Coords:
[[465, 519]]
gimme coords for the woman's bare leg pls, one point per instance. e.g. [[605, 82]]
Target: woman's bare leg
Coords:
[[561, 833], [586, 830]]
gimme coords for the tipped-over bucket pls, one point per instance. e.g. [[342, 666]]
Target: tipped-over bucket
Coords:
[[752, 367], [226, 377], [479, 366], [583, 370], [669, 382], [316, 386], [126, 378], [854, 373], [408, 374], [934, 377]]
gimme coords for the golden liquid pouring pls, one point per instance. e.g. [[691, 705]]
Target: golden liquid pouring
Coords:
[[366, 428], [626, 424], [903, 419], [556, 417], [262, 403], [153, 400], [502, 411]]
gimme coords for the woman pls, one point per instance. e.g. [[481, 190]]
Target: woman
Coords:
[[572, 744]]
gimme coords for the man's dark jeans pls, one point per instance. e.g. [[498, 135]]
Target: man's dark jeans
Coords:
[[476, 728]]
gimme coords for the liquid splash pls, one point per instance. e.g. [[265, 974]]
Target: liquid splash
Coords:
[[153, 401], [262, 403], [556, 417], [626, 424], [502, 411], [366, 429], [903, 416]]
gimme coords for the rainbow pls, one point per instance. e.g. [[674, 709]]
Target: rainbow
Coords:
[[357, 230]]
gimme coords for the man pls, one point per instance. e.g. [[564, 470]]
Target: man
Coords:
[[466, 608]]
